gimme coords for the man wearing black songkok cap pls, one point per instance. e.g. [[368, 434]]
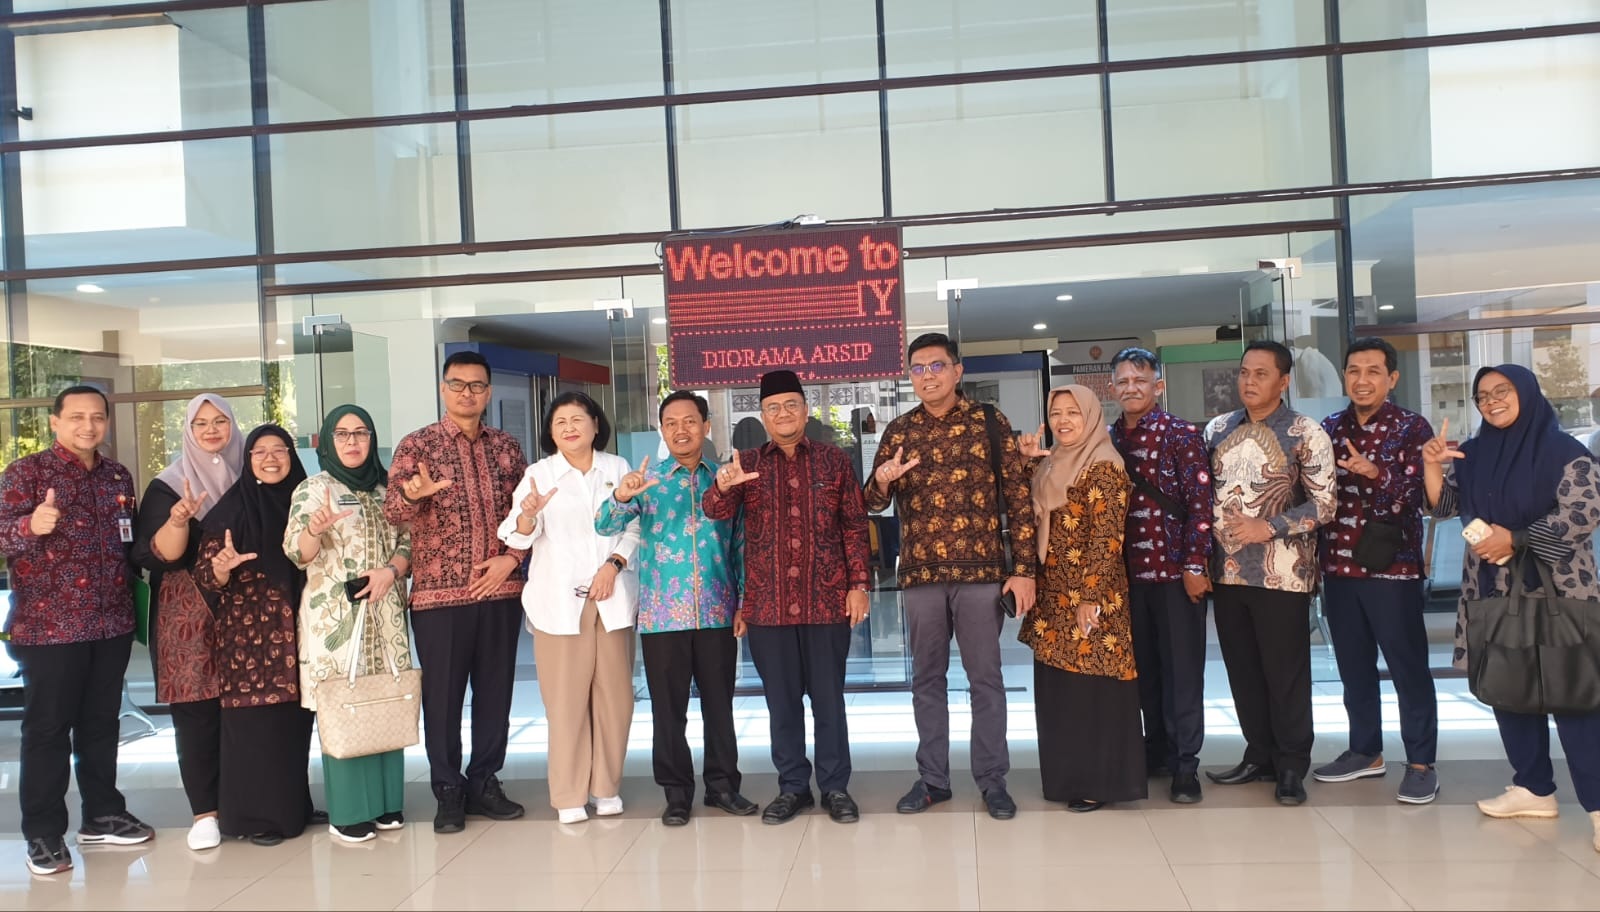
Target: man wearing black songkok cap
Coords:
[[805, 587]]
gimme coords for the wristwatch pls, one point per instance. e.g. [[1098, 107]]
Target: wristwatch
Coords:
[[617, 562]]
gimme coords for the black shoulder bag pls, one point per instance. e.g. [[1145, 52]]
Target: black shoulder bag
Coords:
[[1534, 652], [1008, 602]]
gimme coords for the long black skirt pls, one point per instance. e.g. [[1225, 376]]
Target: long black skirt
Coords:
[[1091, 744], [264, 775]]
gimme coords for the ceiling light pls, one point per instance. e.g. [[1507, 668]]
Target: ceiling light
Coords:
[[1063, 297], [659, 321], [1386, 307], [281, 342], [90, 288], [1040, 326]]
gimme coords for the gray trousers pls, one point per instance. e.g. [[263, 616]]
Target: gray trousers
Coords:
[[968, 611]]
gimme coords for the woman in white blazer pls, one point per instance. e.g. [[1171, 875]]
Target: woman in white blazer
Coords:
[[581, 599]]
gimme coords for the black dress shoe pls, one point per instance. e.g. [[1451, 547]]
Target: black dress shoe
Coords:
[[1243, 773], [266, 839], [1291, 790], [732, 802], [452, 815], [491, 802], [317, 818], [841, 807], [675, 815], [1185, 789], [786, 805], [921, 797], [1084, 805], [999, 804]]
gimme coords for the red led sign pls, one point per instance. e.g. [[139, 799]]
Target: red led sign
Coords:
[[828, 304]]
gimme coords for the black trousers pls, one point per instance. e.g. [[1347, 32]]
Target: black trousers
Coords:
[[1265, 637], [1365, 615], [198, 730], [71, 696], [464, 644], [1169, 648], [709, 658], [805, 660]]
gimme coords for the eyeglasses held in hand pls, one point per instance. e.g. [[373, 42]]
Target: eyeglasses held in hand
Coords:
[[360, 435], [476, 386], [581, 591], [934, 367]]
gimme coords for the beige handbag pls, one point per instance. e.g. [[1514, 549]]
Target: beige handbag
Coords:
[[361, 715]]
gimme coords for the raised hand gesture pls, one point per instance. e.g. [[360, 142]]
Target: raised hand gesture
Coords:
[[186, 508], [892, 470], [421, 485], [733, 474], [46, 515], [634, 483], [226, 560], [1438, 452], [1032, 445], [534, 502], [325, 518], [1356, 463]]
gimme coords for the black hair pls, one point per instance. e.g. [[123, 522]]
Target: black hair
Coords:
[[1278, 350], [82, 389], [929, 340], [685, 396], [602, 434], [1391, 360], [1142, 358], [465, 357]]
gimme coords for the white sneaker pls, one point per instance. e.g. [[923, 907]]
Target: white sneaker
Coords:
[[1594, 817], [1519, 802], [572, 815], [205, 834], [608, 807]]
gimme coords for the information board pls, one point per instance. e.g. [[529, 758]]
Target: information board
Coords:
[[828, 304]]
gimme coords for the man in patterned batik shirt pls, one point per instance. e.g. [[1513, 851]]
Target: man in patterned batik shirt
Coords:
[[1372, 573], [688, 592], [1272, 470], [1167, 549], [934, 463]]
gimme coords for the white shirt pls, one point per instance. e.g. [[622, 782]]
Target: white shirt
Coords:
[[565, 551]]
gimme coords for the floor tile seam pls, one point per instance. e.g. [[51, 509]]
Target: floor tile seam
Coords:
[[236, 893]]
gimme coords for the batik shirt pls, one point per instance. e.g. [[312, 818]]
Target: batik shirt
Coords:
[[1392, 439], [1279, 469], [688, 563], [1166, 452]]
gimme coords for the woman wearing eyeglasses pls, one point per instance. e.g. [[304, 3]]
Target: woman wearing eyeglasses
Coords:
[[166, 542], [254, 591], [336, 531], [581, 598]]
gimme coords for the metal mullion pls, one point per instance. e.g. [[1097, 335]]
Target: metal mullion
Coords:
[[1107, 150], [1339, 167], [261, 184], [458, 62], [670, 112], [885, 172], [14, 251]]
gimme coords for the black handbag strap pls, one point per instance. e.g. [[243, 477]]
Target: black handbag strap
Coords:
[[993, 428], [1517, 593], [1159, 496]]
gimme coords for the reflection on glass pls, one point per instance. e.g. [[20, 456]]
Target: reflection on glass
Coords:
[[741, 44], [1365, 20], [1173, 28], [357, 58], [561, 50], [969, 36]]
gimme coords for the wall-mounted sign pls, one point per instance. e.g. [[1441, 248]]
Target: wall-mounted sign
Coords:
[[828, 304]]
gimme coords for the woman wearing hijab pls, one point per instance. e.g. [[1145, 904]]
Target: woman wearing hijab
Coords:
[[1091, 746], [254, 592], [1536, 488], [166, 542], [337, 532]]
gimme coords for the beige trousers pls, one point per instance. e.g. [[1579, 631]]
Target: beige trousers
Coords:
[[586, 680]]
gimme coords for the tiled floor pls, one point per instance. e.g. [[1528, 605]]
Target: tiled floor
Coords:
[[1350, 846]]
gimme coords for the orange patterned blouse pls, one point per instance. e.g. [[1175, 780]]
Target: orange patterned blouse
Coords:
[[1085, 566]]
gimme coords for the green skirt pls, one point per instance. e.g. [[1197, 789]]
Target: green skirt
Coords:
[[364, 788]]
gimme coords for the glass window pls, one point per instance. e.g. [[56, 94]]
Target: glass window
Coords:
[[756, 162], [1173, 28], [1253, 126], [132, 203], [969, 36], [185, 71], [571, 174], [1023, 143], [383, 187], [741, 44], [1476, 109], [354, 58], [562, 50], [1363, 20]]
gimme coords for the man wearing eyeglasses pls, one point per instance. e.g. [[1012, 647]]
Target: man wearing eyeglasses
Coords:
[[452, 483], [934, 463], [805, 588]]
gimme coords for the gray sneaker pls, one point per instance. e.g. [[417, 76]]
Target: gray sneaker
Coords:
[[1350, 766], [1420, 786]]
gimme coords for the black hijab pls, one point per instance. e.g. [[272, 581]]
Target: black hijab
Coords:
[[258, 513]]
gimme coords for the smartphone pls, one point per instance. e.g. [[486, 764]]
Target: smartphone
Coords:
[[1476, 531], [352, 587], [1008, 604]]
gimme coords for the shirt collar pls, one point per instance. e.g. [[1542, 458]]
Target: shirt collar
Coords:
[[676, 466], [563, 467], [67, 455], [1388, 411], [961, 409], [771, 447]]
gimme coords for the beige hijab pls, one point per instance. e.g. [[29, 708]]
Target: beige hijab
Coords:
[[1065, 464]]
